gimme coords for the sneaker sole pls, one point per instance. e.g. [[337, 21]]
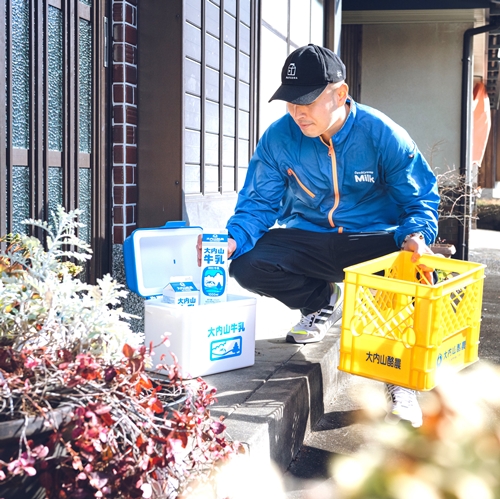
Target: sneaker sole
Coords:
[[291, 339], [337, 315], [394, 419]]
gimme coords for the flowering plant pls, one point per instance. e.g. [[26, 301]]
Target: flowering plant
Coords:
[[71, 367], [453, 455], [42, 304]]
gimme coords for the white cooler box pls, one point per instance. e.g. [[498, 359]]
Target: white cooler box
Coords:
[[206, 339]]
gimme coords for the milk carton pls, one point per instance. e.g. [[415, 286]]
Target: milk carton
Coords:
[[213, 267], [181, 291]]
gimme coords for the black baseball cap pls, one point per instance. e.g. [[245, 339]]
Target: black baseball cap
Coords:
[[306, 73]]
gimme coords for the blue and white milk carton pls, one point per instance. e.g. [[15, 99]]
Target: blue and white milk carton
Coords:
[[208, 339], [213, 267], [181, 291]]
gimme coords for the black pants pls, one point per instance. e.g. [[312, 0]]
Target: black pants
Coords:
[[296, 266]]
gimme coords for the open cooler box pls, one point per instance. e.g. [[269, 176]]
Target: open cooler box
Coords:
[[206, 339]]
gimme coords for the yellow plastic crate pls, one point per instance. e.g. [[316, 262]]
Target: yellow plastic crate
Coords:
[[400, 330]]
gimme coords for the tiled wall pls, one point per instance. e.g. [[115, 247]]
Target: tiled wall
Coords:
[[124, 118]]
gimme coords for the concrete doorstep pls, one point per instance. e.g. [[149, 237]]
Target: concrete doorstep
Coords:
[[272, 405]]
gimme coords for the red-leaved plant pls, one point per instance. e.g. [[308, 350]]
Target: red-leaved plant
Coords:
[[110, 428], [120, 436]]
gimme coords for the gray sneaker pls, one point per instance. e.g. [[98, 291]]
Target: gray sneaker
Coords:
[[403, 404], [313, 327]]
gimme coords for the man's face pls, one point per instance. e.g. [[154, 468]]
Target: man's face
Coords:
[[325, 115]]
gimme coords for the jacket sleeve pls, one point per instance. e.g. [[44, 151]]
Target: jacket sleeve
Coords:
[[259, 201], [413, 186]]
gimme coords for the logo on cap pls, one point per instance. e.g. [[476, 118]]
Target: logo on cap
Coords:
[[290, 73]]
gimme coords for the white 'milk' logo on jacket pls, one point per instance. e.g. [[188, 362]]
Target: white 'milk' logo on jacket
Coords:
[[364, 177]]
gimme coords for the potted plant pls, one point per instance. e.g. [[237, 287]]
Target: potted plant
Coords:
[[80, 413], [457, 205], [441, 247]]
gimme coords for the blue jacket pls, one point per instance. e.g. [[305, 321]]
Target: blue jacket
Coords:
[[371, 177]]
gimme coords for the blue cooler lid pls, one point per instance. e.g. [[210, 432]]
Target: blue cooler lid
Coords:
[[152, 255]]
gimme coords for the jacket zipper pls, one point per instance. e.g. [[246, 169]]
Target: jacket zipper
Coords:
[[304, 188], [331, 152]]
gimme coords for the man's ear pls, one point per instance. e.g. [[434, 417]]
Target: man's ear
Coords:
[[343, 92]]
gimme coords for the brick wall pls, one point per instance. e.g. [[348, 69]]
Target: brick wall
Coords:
[[124, 118]]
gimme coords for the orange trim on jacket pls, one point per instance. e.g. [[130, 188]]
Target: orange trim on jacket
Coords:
[[335, 180], [304, 188]]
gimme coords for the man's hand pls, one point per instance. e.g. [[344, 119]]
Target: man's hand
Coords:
[[416, 243], [231, 248]]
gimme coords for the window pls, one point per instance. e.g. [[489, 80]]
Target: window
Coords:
[[218, 95], [285, 26], [51, 146]]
